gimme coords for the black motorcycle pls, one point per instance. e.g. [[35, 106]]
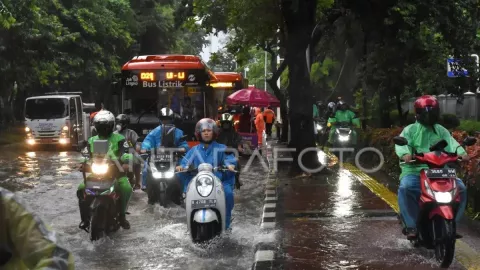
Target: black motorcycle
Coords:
[[343, 137], [100, 190], [163, 185]]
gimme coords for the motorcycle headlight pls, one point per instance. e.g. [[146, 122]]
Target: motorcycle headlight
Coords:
[[319, 127], [165, 175], [343, 138], [99, 168], [204, 185], [443, 197]]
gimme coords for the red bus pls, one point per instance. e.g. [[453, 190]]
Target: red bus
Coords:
[[226, 84], [180, 82]]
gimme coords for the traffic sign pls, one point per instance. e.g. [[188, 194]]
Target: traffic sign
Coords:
[[454, 68]]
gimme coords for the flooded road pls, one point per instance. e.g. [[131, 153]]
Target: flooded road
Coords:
[[335, 222], [47, 181]]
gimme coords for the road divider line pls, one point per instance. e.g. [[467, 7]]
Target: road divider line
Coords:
[[465, 255]]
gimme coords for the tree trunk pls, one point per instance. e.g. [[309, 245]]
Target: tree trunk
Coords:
[[300, 19], [399, 108]]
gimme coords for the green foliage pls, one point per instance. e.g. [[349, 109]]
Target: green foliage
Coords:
[[469, 126], [48, 45], [222, 61]]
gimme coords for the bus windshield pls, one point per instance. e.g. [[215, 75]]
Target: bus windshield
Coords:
[[189, 104], [46, 108]]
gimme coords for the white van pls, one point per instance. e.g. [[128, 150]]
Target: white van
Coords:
[[56, 118]]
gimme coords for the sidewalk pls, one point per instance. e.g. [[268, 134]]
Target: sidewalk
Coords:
[[340, 221]]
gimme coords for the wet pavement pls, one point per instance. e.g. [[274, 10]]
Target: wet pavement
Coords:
[[47, 181], [336, 222]]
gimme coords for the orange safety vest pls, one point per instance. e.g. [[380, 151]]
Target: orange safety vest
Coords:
[[270, 115]]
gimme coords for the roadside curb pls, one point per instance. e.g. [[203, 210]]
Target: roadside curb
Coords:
[[265, 252]]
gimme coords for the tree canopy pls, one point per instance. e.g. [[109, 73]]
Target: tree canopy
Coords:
[[77, 45]]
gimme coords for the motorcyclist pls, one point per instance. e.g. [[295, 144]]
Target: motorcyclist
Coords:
[[104, 122], [230, 138], [166, 134], [122, 122], [422, 134], [25, 241], [343, 114], [206, 131]]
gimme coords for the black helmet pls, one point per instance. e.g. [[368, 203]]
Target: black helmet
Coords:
[[122, 121], [104, 122], [166, 114], [342, 105]]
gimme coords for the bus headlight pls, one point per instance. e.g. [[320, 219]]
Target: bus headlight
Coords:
[[99, 168], [65, 128], [204, 185], [31, 141], [27, 129]]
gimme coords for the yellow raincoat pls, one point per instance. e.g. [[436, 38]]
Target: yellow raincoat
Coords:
[[25, 241]]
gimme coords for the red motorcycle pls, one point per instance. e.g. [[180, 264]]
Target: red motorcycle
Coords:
[[439, 199]]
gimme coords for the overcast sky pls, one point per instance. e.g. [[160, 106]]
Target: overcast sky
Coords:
[[216, 44]]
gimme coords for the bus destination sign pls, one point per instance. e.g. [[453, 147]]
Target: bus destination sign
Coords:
[[162, 79]]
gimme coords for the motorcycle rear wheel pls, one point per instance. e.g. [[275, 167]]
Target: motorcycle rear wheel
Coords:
[[445, 241]]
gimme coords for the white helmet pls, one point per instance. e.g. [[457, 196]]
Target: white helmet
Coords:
[[166, 114], [104, 122]]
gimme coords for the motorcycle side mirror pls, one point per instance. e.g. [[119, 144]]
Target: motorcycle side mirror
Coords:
[[469, 141], [183, 138], [399, 140], [438, 146]]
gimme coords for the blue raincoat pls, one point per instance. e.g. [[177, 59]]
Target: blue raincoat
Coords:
[[154, 140], [205, 154]]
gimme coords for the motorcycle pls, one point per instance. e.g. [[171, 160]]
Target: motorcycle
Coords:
[[320, 128], [100, 191], [439, 199], [162, 185], [343, 137], [205, 204]]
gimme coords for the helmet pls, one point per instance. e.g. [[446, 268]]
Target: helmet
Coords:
[[427, 110], [206, 123], [331, 105], [104, 121], [342, 105], [166, 114], [122, 121]]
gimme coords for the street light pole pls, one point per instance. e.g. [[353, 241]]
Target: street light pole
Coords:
[[266, 56]]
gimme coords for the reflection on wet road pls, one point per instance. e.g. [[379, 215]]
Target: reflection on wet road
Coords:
[[158, 237], [336, 222]]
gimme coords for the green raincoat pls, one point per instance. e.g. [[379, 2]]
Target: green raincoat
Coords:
[[25, 241], [118, 148], [422, 137], [344, 116]]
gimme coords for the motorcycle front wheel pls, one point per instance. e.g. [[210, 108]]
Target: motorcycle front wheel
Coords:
[[444, 241], [98, 224]]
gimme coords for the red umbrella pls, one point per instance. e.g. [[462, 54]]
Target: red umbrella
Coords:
[[253, 97]]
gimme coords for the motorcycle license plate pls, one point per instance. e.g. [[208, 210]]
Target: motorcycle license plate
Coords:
[[99, 185], [196, 204], [162, 158], [441, 173]]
